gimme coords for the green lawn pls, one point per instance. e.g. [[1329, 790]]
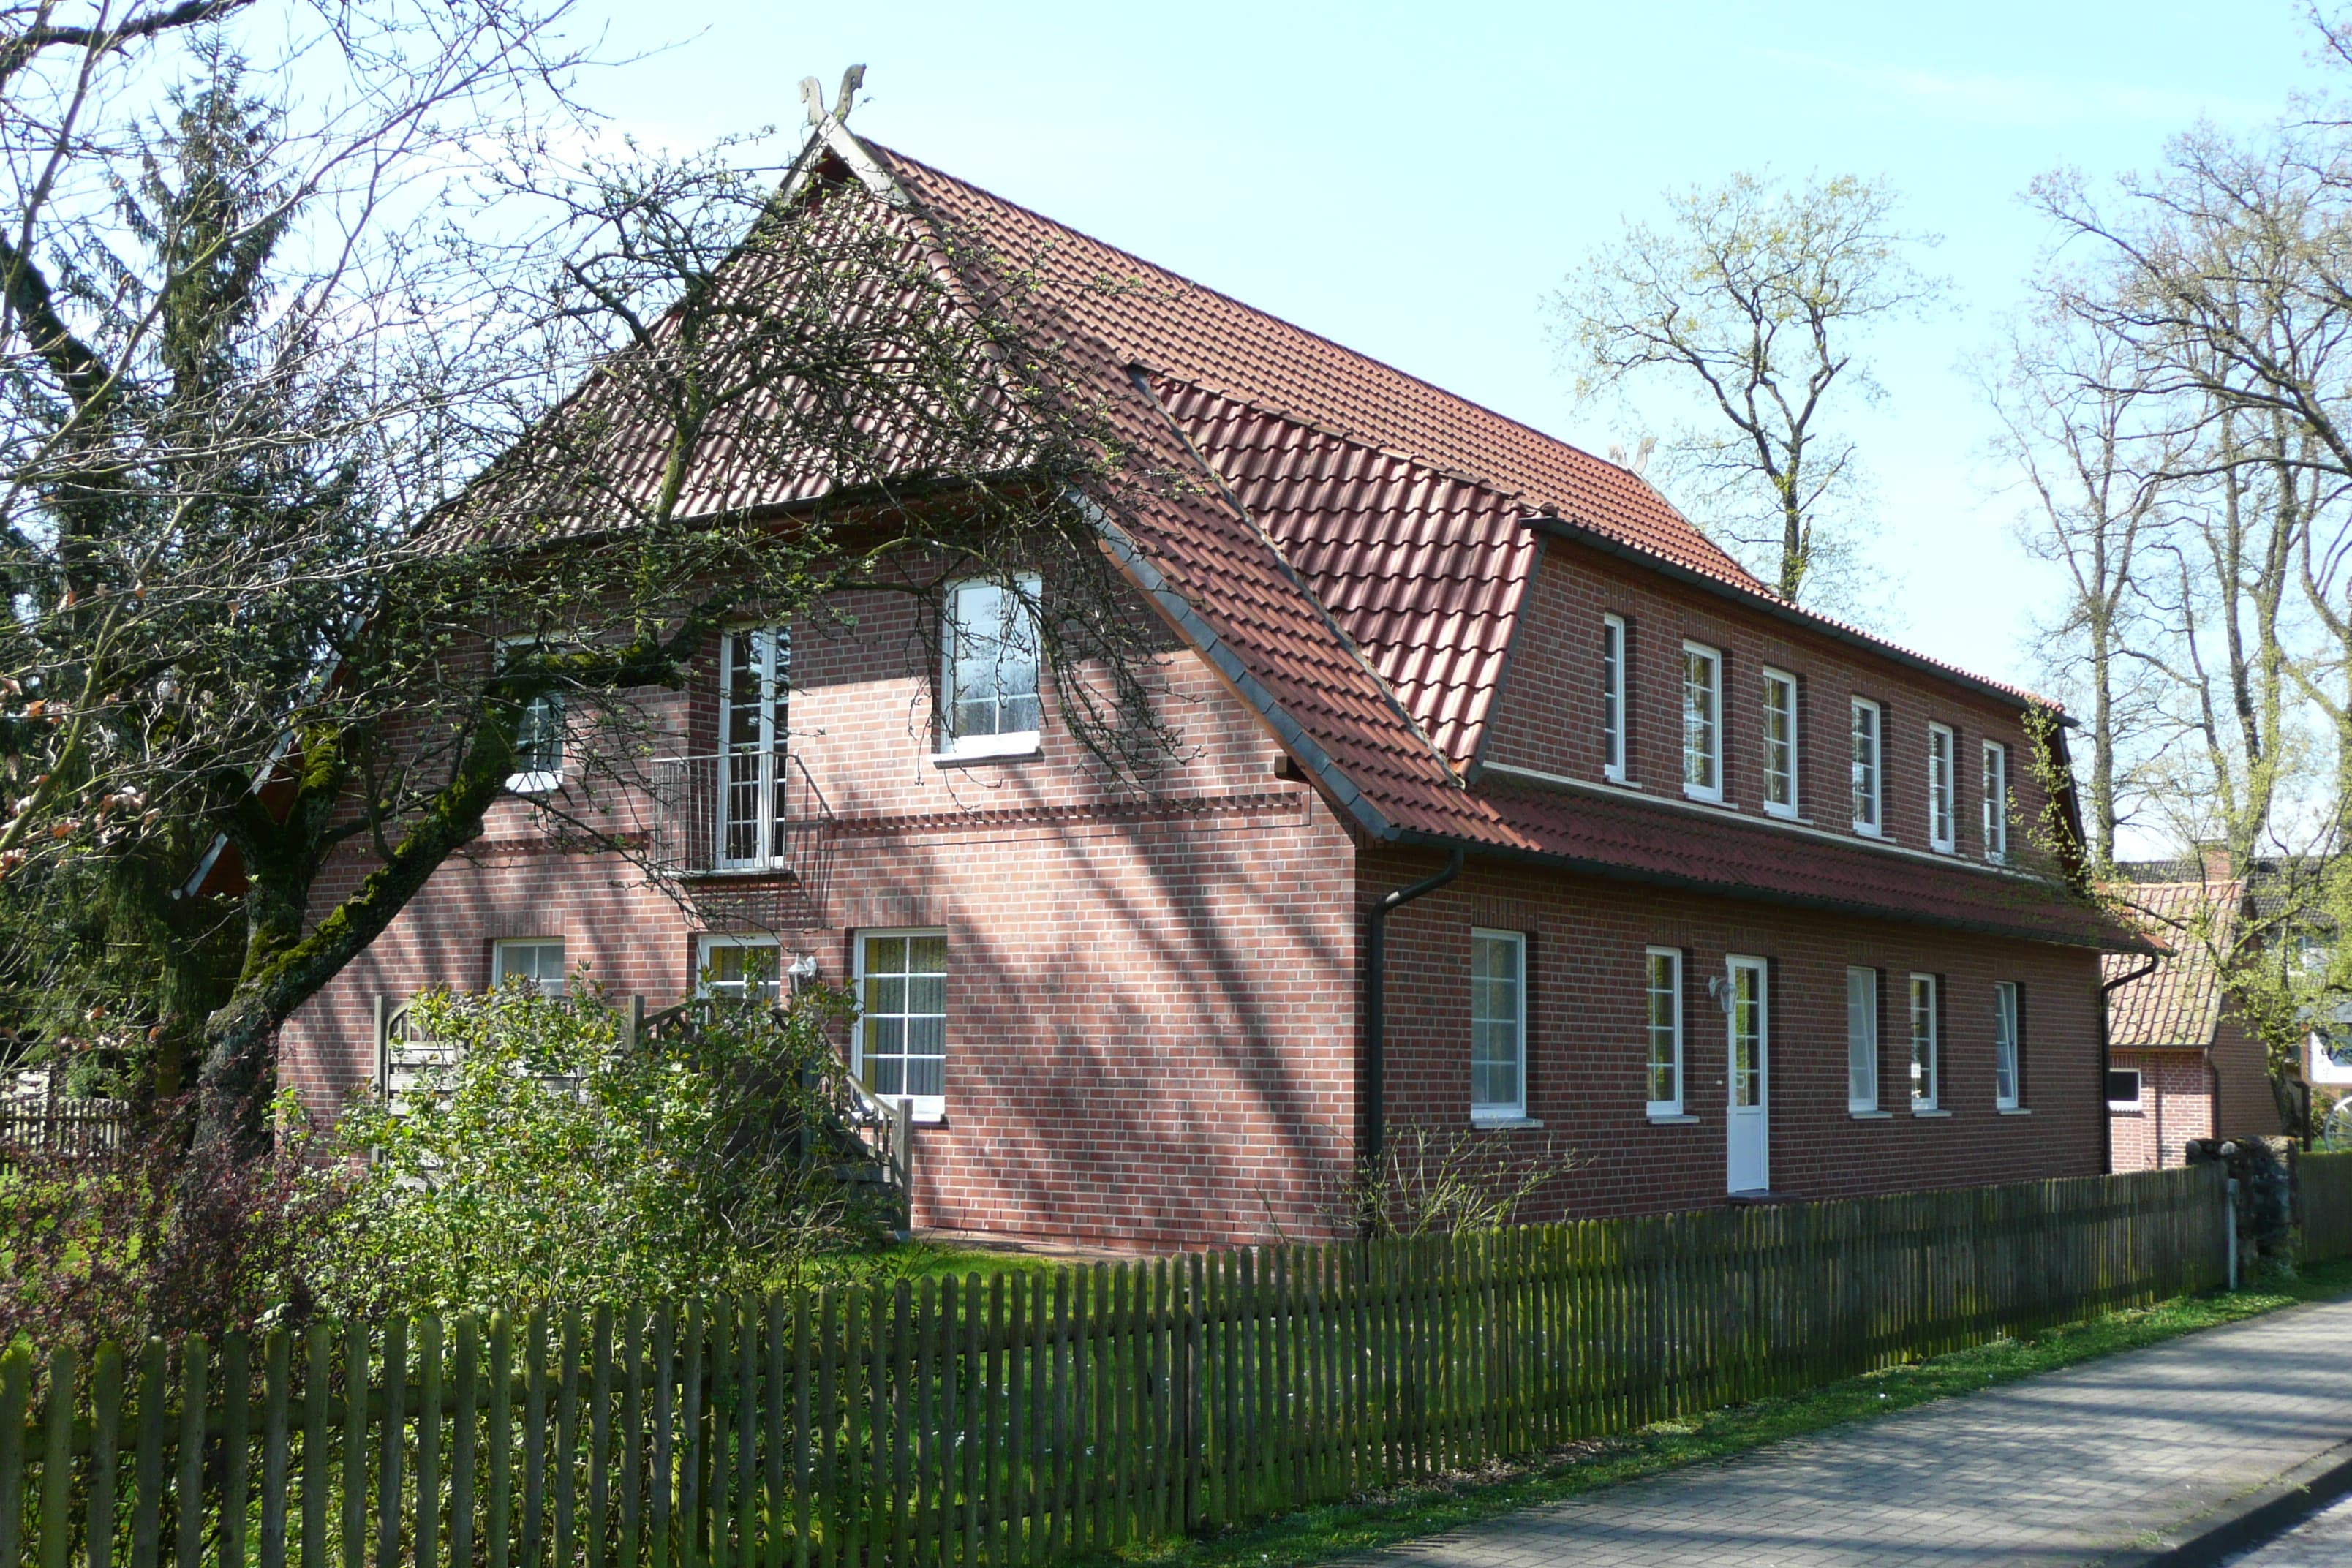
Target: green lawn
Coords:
[[1315, 1534]]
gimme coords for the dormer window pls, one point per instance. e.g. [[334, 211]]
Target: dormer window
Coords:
[[988, 698]]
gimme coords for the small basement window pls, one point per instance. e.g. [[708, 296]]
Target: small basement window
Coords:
[[2122, 1089]]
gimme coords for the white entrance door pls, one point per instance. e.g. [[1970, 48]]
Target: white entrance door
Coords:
[[1748, 1125]]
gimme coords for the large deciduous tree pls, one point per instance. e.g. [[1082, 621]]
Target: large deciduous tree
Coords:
[[1752, 301], [347, 438]]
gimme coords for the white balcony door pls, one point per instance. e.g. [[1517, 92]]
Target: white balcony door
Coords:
[[1748, 1125], [753, 698]]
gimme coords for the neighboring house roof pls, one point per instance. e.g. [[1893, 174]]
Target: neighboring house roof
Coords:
[[2179, 1002]]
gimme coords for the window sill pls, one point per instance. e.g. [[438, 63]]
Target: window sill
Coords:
[[534, 783], [1481, 1122], [988, 748], [1708, 797], [1929, 1114], [1781, 813], [1869, 1115], [1619, 780], [1861, 831], [1672, 1119], [1943, 849], [2012, 1110]]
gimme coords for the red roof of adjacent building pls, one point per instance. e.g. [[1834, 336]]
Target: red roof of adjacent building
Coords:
[[2180, 1001]]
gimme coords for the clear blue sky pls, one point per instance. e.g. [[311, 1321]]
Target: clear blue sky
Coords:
[[1413, 180]]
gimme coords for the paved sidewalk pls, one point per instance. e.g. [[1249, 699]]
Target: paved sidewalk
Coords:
[[2062, 1468]]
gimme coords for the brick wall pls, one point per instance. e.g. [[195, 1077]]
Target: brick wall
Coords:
[[2243, 1069], [1586, 1047], [1150, 989], [1547, 715], [2175, 1104]]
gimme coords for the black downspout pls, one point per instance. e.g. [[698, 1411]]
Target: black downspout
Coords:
[[1376, 1004], [2106, 1065]]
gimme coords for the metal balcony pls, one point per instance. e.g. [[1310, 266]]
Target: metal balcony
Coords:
[[747, 833]]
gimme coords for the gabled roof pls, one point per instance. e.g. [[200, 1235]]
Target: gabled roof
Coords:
[[1354, 557], [2178, 1003]]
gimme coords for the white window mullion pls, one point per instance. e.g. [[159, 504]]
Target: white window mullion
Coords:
[[1702, 723], [1498, 1026], [1613, 698], [1861, 1039], [1868, 742], [1662, 1010], [1996, 802], [1943, 829], [1925, 1043], [1779, 743]]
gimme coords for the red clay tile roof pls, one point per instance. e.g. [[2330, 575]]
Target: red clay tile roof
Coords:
[[1147, 315], [2180, 1002], [1422, 568]]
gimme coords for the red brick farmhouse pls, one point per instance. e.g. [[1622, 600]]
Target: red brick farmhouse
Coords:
[[1508, 804]]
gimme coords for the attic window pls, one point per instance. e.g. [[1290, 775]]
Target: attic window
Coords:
[[988, 697]]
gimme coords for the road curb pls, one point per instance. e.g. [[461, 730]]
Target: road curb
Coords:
[[2251, 1518]]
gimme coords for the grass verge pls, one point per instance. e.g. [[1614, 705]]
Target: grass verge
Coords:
[[1317, 1534]]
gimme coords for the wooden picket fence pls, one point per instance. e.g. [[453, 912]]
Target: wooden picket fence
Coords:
[[1017, 1419], [71, 1129], [2323, 1200]]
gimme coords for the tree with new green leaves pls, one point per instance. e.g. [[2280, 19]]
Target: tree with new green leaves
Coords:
[[1752, 302]]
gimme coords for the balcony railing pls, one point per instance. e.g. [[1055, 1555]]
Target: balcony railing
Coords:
[[748, 835]]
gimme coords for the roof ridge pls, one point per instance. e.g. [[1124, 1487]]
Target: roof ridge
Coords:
[[1337, 433], [1285, 322]]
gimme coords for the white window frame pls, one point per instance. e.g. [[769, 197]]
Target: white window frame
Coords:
[[920, 1106], [1736, 965], [1926, 1071], [512, 944], [1860, 1040], [536, 781], [1651, 992], [2139, 1090], [1996, 802], [1780, 751], [709, 942], [1613, 698], [953, 745], [1943, 797], [1515, 1108], [771, 665], [1709, 750], [2007, 1047], [1869, 776]]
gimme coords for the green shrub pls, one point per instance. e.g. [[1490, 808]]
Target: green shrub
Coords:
[[550, 1161]]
